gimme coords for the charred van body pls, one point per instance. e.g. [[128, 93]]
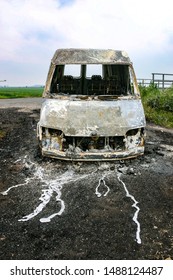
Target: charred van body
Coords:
[[92, 109]]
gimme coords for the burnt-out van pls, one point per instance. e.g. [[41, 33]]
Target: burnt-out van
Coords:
[[92, 109]]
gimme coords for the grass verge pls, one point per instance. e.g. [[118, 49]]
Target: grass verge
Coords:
[[158, 105], [20, 92]]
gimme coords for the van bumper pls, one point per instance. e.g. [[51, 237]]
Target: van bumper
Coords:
[[94, 156]]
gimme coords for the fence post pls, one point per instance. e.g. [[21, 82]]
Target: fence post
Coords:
[[153, 78], [163, 81]]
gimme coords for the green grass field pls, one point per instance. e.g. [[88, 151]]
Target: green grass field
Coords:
[[20, 92]]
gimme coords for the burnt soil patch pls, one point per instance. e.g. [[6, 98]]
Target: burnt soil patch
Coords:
[[88, 226]]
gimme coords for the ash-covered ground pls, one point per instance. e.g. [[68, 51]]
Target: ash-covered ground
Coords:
[[57, 210]]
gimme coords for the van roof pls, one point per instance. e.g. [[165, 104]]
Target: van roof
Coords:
[[90, 56]]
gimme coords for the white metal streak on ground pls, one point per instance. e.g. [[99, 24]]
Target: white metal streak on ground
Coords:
[[53, 186], [135, 217], [102, 180], [27, 180]]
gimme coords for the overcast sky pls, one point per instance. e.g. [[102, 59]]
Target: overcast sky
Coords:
[[31, 31]]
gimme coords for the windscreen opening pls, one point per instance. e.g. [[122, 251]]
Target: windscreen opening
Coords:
[[92, 79]]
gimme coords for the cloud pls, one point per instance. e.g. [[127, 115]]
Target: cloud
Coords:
[[32, 30]]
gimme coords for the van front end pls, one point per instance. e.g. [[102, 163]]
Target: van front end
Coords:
[[92, 130]]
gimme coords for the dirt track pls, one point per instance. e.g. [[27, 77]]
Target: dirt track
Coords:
[[55, 210]]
